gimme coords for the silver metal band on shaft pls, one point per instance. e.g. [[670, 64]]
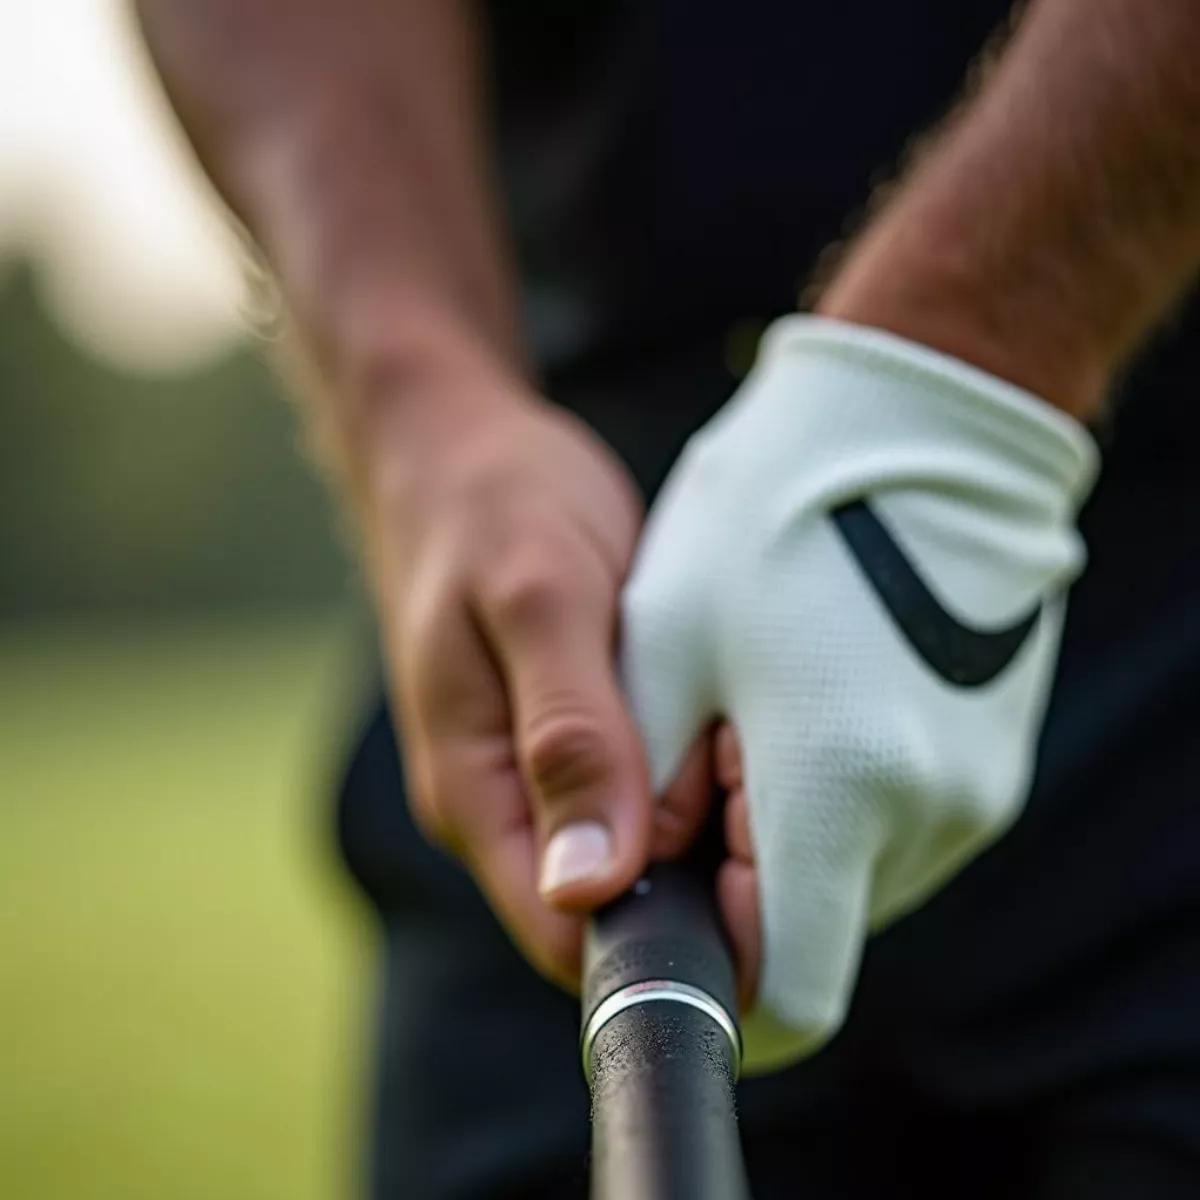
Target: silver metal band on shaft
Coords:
[[654, 991]]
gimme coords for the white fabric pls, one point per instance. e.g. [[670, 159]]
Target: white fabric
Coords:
[[870, 779]]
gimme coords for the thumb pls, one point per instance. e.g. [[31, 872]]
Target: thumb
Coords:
[[575, 744]]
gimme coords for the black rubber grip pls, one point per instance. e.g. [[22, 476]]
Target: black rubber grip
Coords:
[[662, 1072], [665, 927], [663, 1110]]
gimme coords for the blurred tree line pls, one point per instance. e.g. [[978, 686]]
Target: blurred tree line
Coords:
[[132, 495]]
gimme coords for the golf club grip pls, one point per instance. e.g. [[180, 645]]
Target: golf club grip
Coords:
[[661, 1045]]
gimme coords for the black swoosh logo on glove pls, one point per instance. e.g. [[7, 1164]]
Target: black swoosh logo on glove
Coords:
[[959, 654]]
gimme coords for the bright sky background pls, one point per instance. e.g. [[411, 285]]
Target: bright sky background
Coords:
[[98, 187]]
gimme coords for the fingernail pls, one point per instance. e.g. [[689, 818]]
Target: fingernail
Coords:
[[575, 852]]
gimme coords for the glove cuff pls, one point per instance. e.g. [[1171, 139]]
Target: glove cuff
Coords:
[[886, 396]]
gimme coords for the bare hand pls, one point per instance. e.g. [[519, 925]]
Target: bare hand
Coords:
[[499, 542]]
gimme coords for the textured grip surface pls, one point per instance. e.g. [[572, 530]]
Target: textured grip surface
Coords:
[[666, 927], [663, 1124], [662, 1071]]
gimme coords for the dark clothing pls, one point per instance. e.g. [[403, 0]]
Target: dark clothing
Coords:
[[672, 166], [673, 169]]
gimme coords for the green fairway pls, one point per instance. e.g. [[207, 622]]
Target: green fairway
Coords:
[[183, 972]]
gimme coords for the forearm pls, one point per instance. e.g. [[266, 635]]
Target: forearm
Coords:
[[1056, 218], [346, 135]]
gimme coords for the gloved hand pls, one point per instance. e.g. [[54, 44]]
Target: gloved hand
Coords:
[[861, 563]]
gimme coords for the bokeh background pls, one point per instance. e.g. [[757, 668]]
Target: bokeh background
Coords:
[[184, 971]]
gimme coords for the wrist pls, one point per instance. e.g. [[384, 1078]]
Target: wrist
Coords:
[[407, 380], [919, 276]]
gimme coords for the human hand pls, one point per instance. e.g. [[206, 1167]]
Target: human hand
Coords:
[[499, 534], [860, 564]]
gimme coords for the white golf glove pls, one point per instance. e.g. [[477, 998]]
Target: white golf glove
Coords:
[[861, 562]]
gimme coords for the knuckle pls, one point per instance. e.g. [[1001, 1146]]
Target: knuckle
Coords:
[[565, 750], [527, 596]]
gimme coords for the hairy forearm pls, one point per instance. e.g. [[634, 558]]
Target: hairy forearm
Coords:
[[1053, 221], [346, 135]]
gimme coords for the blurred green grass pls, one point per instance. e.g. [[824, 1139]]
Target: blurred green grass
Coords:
[[183, 972]]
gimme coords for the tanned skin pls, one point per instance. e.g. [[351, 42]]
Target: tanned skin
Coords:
[[1040, 234], [1056, 218]]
